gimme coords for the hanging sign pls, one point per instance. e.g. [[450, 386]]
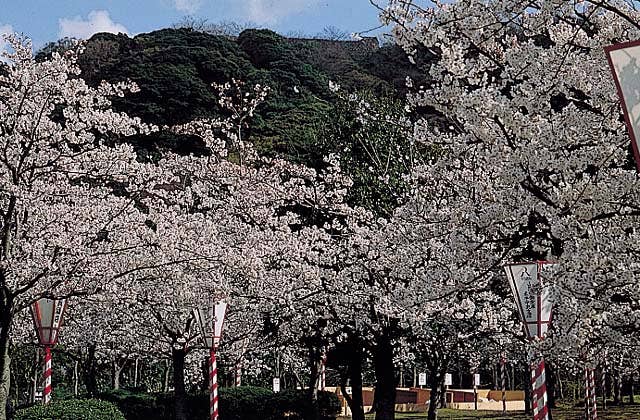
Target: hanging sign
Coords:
[[532, 294], [422, 379], [448, 380]]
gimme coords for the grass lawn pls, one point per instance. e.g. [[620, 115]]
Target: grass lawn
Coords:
[[628, 412]]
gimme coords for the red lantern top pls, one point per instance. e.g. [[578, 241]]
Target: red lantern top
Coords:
[[532, 295], [47, 318]]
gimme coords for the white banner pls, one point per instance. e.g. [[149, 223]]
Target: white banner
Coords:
[[532, 292], [623, 60], [422, 379]]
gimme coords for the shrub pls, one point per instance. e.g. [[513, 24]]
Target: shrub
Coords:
[[295, 405], [329, 405], [134, 405], [197, 406], [244, 403], [71, 410]]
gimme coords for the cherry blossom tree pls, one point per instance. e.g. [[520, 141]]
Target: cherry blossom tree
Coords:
[[536, 139], [67, 184], [230, 224]]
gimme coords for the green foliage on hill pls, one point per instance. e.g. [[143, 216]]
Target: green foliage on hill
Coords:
[[301, 119], [370, 135]]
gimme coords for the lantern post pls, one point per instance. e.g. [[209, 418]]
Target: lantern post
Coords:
[[47, 318], [503, 382], [533, 298], [210, 321]]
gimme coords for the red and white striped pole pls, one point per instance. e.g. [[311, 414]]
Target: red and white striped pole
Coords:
[[587, 392], [213, 385], [591, 395], [46, 393], [590, 408], [594, 395], [603, 385], [539, 386], [503, 382]]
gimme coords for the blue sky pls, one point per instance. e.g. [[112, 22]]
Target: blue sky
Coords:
[[49, 20]]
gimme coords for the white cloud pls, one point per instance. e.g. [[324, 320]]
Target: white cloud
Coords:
[[272, 11], [187, 6], [97, 21], [6, 29]]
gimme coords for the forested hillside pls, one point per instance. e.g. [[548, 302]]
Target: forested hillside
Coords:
[[175, 68], [301, 120]]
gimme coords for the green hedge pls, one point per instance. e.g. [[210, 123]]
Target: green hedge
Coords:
[[134, 405], [242, 403], [71, 410], [297, 406], [245, 402]]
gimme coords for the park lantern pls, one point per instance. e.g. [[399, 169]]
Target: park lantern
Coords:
[[210, 321], [624, 61], [532, 295], [47, 318], [533, 298]]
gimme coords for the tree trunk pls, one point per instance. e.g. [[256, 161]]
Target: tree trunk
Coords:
[[512, 383], [617, 385], [34, 378], [6, 305], [5, 380], [75, 378], [631, 390], [560, 388], [551, 384], [434, 397], [165, 384], [526, 385], [314, 359], [494, 373], [436, 379], [116, 372], [355, 401], [603, 385], [385, 392], [89, 373], [204, 370], [177, 357], [135, 372]]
